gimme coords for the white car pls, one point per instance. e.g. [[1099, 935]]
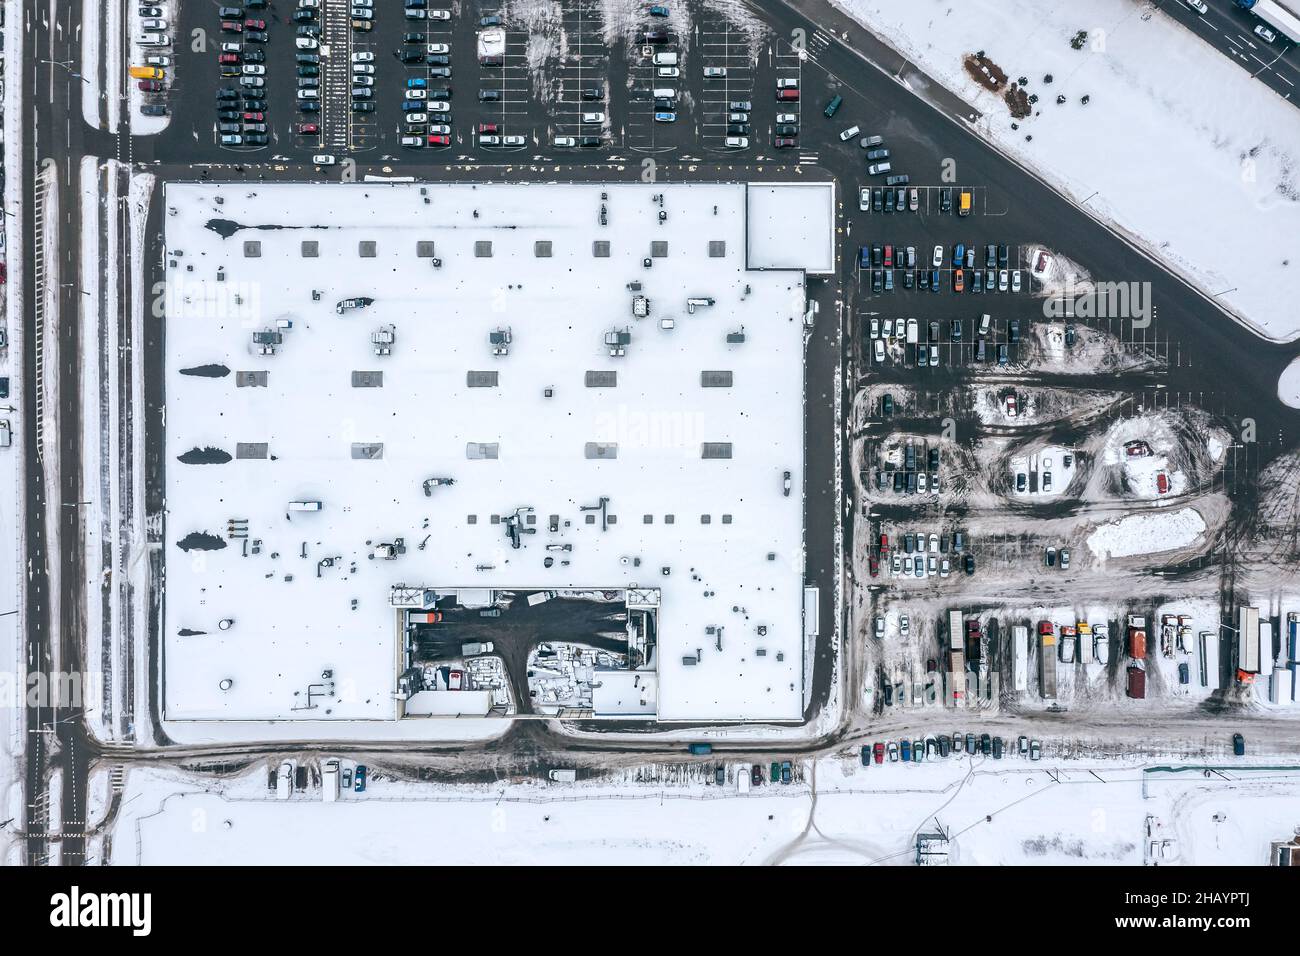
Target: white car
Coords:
[[362, 13], [158, 60], [879, 349], [436, 106], [254, 69], [1265, 34], [439, 14], [309, 93], [913, 330], [514, 140], [1015, 281], [414, 142], [593, 118], [937, 261], [715, 72], [440, 129], [849, 133], [737, 142], [324, 159], [305, 43], [308, 4], [365, 57], [415, 94], [887, 328], [1199, 6], [875, 328], [667, 72], [934, 543], [1002, 280], [232, 47], [362, 80], [783, 119], [438, 48], [363, 69], [787, 83], [564, 141], [489, 140], [417, 117], [864, 198]]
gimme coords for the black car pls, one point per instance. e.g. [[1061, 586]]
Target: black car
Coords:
[[986, 744], [909, 543], [663, 104], [934, 459], [309, 69], [363, 107], [226, 93], [954, 329], [153, 109], [255, 139], [228, 116], [593, 93], [997, 748], [589, 140], [945, 746], [654, 36], [889, 200], [437, 59], [970, 564], [877, 195], [934, 330], [1238, 745], [945, 199], [1002, 256], [254, 56], [737, 129], [411, 56], [889, 695], [1069, 336], [877, 256], [990, 256], [970, 743], [787, 130], [309, 106], [256, 36], [307, 15], [306, 58], [866, 755], [1013, 331], [908, 280], [489, 96], [308, 30], [412, 37], [887, 404], [977, 281], [877, 282]]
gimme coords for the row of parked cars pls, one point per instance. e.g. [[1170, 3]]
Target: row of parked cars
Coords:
[[914, 751], [426, 110], [151, 77], [241, 58]]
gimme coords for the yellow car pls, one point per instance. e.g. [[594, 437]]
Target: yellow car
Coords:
[[146, 73]]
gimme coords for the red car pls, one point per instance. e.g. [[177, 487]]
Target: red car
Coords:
[[254, 24], [255, 117], [308, 128], [880, 753], [787, 94], [785, 142], [231, 26], [874, 567], [1162, 483], [884, 542], [228, 58], [488, 128], [150, 86], [889, 257], [4, 273], [437, 139]]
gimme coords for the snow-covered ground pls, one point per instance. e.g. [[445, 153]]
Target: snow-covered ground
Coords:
[[1147, 533], [1174, 137], [1089, 812]]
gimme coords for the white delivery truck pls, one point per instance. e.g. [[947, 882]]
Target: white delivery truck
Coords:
[[329, 779]]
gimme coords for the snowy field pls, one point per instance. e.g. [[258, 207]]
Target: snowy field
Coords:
[[1009, 812], [1174, 136], [717, 536]]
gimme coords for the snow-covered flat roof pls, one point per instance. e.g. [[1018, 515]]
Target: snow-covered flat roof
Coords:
[[792, 226], [650, 430]]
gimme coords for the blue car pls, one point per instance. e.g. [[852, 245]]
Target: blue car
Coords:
[[934, 280], [665, 117], [359, 779], [958, 254], [905, 750], [413, 106], [864, 257], [658, 11], [416, 83]]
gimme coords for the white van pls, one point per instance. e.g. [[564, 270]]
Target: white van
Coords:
[[985, 321], [879, 169], [665, 59], [153, 39], [304, 506]]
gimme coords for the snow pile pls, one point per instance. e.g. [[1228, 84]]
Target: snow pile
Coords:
[[1147, 534], [1159, 98]]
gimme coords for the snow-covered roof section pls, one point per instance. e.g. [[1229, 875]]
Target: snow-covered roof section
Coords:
[[692, 472], [792, 226]]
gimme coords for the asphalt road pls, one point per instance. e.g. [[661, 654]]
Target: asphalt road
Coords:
[[1213, 352], [1229, 29]]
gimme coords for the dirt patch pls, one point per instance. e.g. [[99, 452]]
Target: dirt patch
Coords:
[[1017, 101], [985, 72]]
